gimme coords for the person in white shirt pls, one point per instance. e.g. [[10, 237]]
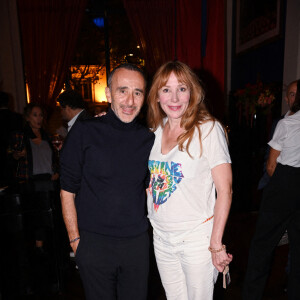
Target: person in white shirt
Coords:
[[280, 207], [289, 98], [188, 164]]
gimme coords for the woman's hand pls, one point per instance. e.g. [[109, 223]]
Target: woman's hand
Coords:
[[18, 154], [222, 177], [221, 259]]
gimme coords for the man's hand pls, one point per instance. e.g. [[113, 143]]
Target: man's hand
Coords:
[[100, 115], [70, 217], [74, 246]]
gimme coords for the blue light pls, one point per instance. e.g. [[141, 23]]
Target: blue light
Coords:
[[99, 22]]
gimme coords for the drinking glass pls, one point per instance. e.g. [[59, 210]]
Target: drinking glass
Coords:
[[57, 142]]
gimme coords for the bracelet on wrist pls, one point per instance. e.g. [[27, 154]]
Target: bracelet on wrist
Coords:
[[213, 250], [74, 240]]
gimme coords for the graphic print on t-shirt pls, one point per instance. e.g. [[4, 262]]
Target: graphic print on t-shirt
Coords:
[[163, 181]]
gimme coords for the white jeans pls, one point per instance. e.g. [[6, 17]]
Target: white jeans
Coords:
[[185, 267]]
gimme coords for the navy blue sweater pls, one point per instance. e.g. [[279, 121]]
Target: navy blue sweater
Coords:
[[104, 162]]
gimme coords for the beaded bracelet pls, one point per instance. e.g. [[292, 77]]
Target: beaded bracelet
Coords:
[[74, 240], [212, 250]]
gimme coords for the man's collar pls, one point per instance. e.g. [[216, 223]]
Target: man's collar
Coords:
[[72, 121]]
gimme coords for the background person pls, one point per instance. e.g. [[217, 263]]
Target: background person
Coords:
[[265, 179], [37, 173], [188, 163], [72, 107], [280, 208], [289, 99], [36, 160], [32, 147]]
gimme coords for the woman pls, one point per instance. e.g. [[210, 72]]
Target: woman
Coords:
[[188, 163], [32, 147], [280, 207], [33, 151]]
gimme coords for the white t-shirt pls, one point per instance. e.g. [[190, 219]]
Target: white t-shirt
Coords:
[[286, 139], [181, 193]]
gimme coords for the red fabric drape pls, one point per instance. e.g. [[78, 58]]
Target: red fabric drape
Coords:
[[153, 23], [215, 48], [49, 30], [214, 60], [189, 33]]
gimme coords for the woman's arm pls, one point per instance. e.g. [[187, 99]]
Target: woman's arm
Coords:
[[222, 176], [272, 161]]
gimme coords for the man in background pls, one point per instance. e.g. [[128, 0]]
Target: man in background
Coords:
[[289, 99], [274, 207], [72, 107]]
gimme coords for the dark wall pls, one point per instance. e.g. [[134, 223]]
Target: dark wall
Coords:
[[248, 143], [265, 60]]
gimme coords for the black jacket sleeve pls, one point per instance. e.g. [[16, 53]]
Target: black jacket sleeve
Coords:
[[71, 159]]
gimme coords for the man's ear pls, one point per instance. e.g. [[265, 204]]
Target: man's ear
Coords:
[[69, 110], [286, 100], [108, 94]]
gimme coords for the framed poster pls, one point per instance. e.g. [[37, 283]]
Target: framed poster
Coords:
[[257, 22]]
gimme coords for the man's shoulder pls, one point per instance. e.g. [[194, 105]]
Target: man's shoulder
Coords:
[[145, 130], [291, 120], [84, 115], [93, 122]]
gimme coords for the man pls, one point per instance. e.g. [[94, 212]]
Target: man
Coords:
[[72, 107], [103, 172], [291, 93], [277, 210], [289, 99]]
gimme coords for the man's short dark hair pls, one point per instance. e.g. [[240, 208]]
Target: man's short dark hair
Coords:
[[4, 99], [71, 98], [127, 66]]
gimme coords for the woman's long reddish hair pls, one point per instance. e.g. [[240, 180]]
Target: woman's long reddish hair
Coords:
[[196, 112]]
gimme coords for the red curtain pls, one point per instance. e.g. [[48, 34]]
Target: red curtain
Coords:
[[154, 25], [189, 33], [214, 59], [49, 30], [215, 55]]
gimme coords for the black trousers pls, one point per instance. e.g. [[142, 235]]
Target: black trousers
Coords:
[[113, 268], [279, 212]]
